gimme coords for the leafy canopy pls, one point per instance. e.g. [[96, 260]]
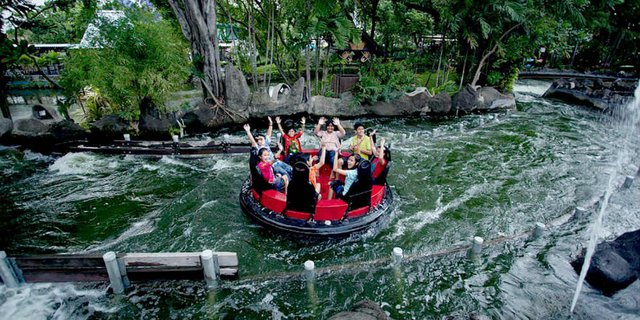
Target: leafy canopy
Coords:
[[138, 59]]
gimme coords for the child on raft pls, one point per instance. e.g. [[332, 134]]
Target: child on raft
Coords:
[[278, 181], [291, 139], [263, 141], [329, 137]]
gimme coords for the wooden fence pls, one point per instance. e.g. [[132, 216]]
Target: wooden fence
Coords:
[[119, 269]]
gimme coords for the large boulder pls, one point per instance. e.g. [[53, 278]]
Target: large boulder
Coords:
[[363, 310], [340, 107], [604, 95], [490, 99], [6, 125], [30, 128], [238, 93], [440, 104], [465, 100], [156, 124], [404, 106], [67, 130], [614, 265], [109, 128]]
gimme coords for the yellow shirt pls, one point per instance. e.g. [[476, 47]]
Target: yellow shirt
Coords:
[[364, 144]]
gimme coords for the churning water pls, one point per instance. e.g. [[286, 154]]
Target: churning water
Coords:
[[492, 176]]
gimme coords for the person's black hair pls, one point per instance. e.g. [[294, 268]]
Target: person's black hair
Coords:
[[357, 125], [260, 135], [387, 154], [260, 151]]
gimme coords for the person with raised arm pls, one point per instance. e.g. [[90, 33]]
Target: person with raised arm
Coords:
[[291, 139], [329, 137], [381, 160], [337, 186], [278, 181], [263, 141]]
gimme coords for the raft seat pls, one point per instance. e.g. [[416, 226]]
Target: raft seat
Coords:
[[330, 210], [274, 200]]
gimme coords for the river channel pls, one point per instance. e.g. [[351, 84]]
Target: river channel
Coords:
[[492, 176]]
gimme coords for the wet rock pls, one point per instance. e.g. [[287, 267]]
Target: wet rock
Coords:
[[403, 106], [109, 128], [440, 104], [615, 264], [491, 99], [156, 124], [6, 126], [465, 100], [363, 310], [321, 105], [30, 128], [237, 91], [67, 130], [600, 94]]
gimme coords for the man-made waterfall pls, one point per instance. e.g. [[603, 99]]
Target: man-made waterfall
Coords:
[[630, 118]]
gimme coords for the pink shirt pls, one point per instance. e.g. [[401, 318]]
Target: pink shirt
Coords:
[[331, 140], [266, 170]]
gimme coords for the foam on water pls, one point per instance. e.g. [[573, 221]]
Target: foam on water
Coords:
[[78, 164], [50, 301], [631, 117]]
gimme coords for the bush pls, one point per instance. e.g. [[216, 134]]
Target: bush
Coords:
[[135, 59], [383, 81]]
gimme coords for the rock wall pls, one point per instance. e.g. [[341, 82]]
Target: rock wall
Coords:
[[615, 264], [599, 94]]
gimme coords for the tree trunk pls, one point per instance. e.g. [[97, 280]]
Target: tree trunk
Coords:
[[197, 20], [307, 66], [374, 12], [464, 67], [486, 56], [325, 70], [440, 60]]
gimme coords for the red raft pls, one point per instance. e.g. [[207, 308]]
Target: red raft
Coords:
[[299, 212]]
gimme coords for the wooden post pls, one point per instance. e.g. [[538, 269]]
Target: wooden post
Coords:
[[476, 247], [397, 255], [309, 270], [113, 270], [6, 272], [539, 230], [579, 213], [210, 267]]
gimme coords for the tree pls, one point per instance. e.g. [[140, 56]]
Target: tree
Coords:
[[136, 61], [198, 20]]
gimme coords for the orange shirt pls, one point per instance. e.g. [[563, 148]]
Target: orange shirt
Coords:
[[313, 174]]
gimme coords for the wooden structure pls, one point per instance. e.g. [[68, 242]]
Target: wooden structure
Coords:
[[129, 267], [156, 148]]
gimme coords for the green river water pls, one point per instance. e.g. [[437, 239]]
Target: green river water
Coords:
[[492, 175]]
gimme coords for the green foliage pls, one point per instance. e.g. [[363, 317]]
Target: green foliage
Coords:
[[137, 58], [383, 81]]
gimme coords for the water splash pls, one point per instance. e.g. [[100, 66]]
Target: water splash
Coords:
[[630, 116]]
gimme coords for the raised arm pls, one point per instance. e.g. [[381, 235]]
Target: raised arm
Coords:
[[270, 129], [381, 152], [373, 145], [279, 125], [247, 129], [336, 121], [277, 155], [321, 121], [335, 166], [302, 121]]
